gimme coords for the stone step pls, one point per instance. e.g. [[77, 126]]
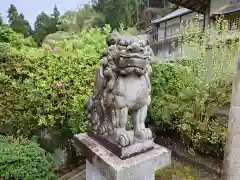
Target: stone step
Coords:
[[80, 176], [76, 174]]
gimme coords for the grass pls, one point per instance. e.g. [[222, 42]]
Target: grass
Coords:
[[181, 171]]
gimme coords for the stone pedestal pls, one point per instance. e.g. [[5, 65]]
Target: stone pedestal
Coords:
[[102, 164]]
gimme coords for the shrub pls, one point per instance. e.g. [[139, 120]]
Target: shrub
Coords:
[[17, 112], [186, 94], [64, 78], [8, 35], [24, 159], [184, 104], [48, 87]]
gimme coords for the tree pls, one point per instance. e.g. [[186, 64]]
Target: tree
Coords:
[[1, 20], [150, 13], [45, 25], [21, 25], [12, 13], [84, 17], [120, 11], [54, 19], [138, 13], [17, 22], [42, 26], [55, 13]]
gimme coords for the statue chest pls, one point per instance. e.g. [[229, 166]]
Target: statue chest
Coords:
[[131, 91]]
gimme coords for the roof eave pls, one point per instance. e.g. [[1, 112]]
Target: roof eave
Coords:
[[161, 21], [195, 5]]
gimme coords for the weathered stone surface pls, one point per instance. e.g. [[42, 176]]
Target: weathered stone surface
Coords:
[[231, 164], [123, 152], [122, 87], [104, 165]]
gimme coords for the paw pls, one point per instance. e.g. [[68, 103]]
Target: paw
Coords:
[[102, 130], [125, 139], [148, 133], [143, 134]]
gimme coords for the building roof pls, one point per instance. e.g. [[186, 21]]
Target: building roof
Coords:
[[233, 7], [177, 13], [195, 5]]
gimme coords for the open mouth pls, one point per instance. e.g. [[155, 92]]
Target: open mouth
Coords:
[[132, 62], [133, 69], [133, 55]]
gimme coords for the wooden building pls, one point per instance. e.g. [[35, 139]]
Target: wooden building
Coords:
[[164, 31]]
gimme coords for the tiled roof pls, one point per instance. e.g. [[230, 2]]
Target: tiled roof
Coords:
[[173, 14], [228, 9], [199, 6]]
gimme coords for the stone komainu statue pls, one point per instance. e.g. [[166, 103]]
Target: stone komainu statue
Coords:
[[122, 86]]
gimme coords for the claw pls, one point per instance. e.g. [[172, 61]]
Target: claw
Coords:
[[148, 133], [144, 134], [125, 139]]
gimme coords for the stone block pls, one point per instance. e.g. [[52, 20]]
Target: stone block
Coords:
[[123, 152], [102, 164]]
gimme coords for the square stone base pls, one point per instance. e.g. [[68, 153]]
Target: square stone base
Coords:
[[102, 164], [123, 152]]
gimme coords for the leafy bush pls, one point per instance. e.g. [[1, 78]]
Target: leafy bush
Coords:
[[188, 94], [64, 79], [48, 86], [16, 112], [185, 104], [8, 35], [24, 159]]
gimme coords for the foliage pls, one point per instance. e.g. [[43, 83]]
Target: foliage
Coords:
[[129, 31], [216, 49], [120, 11], [180, 170], [51, 39], [16, 112], [196, 88], [150, 13], [74, 21], [48, 86], [17, 22], [131, 13], [8, 35], [183, 104], [45, 24], [24, 159], [65, 78], [1, 20]]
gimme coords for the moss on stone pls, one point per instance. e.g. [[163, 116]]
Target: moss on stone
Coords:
[[182, 171]]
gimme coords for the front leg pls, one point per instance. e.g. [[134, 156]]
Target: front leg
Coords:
[[139, 117], [123, 137]]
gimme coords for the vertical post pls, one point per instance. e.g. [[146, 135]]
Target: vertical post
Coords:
[[231, 164], [207, 24], [180, 37], [207, 14]]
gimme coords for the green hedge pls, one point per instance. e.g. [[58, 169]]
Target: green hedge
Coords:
[[183, 104], [30, 95], [24, 159]]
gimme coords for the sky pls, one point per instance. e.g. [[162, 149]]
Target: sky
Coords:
[[32, 8]]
